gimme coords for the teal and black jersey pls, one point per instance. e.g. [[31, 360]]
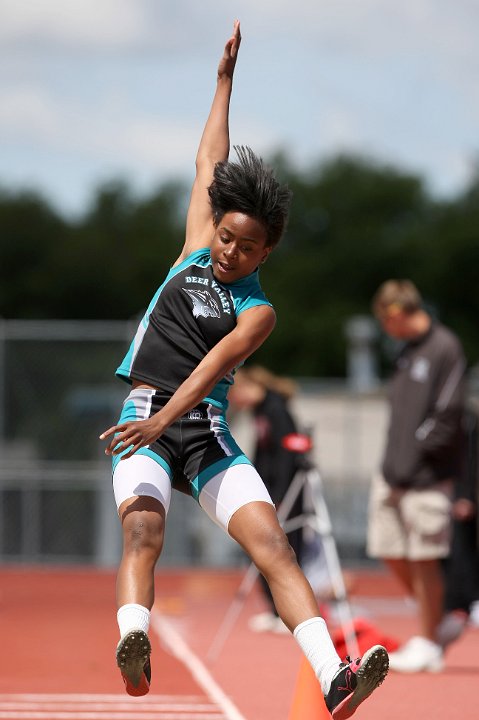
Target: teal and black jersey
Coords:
[[188, 315]]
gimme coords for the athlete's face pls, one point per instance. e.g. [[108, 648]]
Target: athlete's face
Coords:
[[238, 247]]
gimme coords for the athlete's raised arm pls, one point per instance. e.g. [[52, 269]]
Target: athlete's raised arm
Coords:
[[214, 147]]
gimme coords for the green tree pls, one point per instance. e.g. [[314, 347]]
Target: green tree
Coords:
[[353, 224], [30, 230]]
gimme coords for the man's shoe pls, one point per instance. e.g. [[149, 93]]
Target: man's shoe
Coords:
[[133, 659], [355, 681], [419, 654]]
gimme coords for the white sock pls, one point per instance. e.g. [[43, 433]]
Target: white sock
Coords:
[[315, 641], [133, 617]]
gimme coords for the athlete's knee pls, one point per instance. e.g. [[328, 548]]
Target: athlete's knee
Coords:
[[143, 532], [271, 550]]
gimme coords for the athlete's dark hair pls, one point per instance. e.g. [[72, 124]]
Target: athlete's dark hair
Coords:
[[249, 187]]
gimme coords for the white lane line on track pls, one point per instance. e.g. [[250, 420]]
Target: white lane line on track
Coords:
[[97, 705], [59, 715], [178, 647], [103, 697], [63, 706]]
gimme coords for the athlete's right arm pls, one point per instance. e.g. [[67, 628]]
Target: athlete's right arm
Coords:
[[214, 147]]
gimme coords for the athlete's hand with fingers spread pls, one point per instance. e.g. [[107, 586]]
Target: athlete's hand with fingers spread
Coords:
[[228, 61], [133, 435]]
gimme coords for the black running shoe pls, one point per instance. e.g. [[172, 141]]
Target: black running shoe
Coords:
[[133, 659], [355, 681]]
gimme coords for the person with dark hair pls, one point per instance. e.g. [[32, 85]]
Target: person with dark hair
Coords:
[[410, 502], [207, 317], [250, 188]]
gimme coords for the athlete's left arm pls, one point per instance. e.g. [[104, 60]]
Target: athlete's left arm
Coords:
[[252, 329]]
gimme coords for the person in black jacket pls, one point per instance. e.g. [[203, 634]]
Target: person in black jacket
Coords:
[[267, 397], [410, 502], [462, 566]]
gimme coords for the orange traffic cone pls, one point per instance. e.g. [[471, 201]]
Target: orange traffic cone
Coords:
[[308, 701]]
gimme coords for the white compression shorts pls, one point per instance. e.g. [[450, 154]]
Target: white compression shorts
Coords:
[[220, 498]]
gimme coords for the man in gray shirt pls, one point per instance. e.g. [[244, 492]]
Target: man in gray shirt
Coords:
[[410, 501]]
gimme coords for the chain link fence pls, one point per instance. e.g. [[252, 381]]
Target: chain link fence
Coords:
[[58, 391]]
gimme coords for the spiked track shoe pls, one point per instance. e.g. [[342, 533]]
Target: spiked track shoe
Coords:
[[355, 681], [133, 659]]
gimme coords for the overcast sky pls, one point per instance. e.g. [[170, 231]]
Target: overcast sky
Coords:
[[96, 89]]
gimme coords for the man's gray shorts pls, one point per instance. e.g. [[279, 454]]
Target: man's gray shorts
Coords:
[[413, 524]]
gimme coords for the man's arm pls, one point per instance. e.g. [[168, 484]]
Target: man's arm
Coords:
[[214, 147], [440, 430]]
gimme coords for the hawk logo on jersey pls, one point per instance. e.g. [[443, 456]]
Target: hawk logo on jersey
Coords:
[[204, 305]]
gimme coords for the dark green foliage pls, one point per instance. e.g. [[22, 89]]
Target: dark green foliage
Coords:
[[353, 224]]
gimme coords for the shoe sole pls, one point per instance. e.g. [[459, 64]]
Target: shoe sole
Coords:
[[132, 653], [374, 668]]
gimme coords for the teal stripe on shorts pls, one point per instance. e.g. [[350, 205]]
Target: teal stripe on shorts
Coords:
[[200, 480]]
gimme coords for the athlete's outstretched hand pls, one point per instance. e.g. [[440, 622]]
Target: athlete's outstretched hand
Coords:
[[228, 61], [132, 435]]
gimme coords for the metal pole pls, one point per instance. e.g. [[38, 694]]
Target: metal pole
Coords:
[[322, 523]]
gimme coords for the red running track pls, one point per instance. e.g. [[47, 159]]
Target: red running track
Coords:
[[59, 634]]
